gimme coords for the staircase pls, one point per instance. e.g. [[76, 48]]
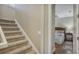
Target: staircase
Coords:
[[17, 40]]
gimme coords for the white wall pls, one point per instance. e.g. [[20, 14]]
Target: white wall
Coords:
[[0, 10], [66, 22], [64, 10], [64, 16], [7, 12], [30, 16]]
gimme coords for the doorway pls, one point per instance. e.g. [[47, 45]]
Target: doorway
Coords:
[[64, 29]]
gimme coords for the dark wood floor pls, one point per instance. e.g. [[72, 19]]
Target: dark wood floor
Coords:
[[65, 48], [59, 49]]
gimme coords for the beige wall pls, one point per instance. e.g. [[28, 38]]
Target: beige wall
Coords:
[[7, 12], [46, 29], [0, 10], [30, 16], [31, 19]]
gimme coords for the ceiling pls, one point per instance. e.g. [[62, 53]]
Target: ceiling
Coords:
[[64, 16], [64, 10]]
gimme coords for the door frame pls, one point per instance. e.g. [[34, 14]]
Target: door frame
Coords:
[[76, 28], [48, 29], [51, 28], [42, 29]]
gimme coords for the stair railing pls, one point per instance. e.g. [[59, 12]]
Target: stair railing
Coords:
[[3, 41], [27, 37]]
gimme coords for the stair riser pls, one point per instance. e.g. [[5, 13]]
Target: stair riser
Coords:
[[17, 51], [10, 29], [26, 51], [13, 34], [13, 37], [6, 50], [9, 25], [16, 39], [6, 21]]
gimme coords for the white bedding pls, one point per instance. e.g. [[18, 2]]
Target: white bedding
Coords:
[[59, 37]]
